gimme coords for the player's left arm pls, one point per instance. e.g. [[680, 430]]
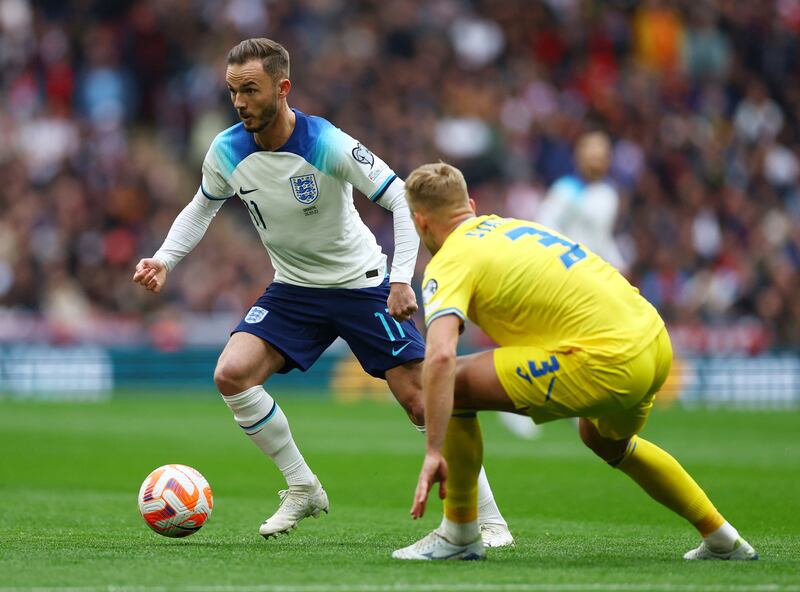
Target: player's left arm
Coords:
[[448, 287], [438, 382], [348, 159]]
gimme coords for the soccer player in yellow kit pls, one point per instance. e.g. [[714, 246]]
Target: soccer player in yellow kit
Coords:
[[576, 340]]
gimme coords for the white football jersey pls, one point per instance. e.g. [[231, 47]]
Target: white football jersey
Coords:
[[586, 213], [300, 200]]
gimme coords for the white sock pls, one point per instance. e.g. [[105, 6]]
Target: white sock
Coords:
[[459, 533], [723, 538], [488, 512], [266, 425]]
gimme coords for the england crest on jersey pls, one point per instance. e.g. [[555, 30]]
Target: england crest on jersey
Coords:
[[305, 188], [256, 315]]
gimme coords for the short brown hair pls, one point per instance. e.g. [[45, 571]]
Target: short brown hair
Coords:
[[436, 186], [274, 57]]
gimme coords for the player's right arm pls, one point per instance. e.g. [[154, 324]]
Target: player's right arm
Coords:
[[189, 226], [151, 273], [187, 230]]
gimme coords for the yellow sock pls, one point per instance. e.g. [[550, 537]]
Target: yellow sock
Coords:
[[463, 451], [667, 482]]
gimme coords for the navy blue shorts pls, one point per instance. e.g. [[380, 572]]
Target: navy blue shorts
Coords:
[[302, 322]]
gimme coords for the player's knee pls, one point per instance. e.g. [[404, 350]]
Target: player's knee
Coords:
[[410, 399], [230, 377], [591, 437], [587, 432], [416, 411], [406, 385], [605, 448]]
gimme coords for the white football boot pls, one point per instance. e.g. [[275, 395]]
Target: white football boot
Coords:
[[496, 535], [741, 551], [297, 502], [434, 546]]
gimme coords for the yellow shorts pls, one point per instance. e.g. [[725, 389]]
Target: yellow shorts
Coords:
[[616, 397]]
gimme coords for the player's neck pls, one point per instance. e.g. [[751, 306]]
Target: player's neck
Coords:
[[458, 220], [278, 131], [446, 229]]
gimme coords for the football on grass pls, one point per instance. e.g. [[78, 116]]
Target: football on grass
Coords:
[[175, 500]]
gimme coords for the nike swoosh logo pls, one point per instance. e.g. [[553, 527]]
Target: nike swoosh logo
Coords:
[[246, 191], [397, 351], [433, 555]]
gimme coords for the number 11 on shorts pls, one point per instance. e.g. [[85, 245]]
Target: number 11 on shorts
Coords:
[[386, 326]]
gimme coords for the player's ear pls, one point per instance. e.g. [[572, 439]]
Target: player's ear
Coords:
[[419, 220], [472, 206], [284, 86]]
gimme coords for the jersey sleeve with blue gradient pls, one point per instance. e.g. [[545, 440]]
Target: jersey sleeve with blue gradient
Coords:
[[342, 156], [215, 180], [447, 288]]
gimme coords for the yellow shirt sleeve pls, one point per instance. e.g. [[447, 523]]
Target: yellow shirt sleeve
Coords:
[[447, 289]]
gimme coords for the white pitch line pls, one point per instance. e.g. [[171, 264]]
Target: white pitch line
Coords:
[[429, 587]]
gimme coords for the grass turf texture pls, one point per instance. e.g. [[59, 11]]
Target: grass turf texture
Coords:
[[69, 475]]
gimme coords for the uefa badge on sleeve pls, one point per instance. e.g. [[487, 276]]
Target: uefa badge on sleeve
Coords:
[[363, 155], [429, 290]]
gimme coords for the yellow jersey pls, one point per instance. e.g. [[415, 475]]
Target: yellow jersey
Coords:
[[525, 284]]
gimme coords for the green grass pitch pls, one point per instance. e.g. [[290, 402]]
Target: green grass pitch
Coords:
[[69, 475]]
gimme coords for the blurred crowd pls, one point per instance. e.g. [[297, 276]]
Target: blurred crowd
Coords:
[[107, 110]]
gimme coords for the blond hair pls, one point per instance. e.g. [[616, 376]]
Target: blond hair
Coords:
[[436, 186]]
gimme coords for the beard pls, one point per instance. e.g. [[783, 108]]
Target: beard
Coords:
[[260, 123]]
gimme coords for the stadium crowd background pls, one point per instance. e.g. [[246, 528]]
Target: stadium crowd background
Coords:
[[107, 109]]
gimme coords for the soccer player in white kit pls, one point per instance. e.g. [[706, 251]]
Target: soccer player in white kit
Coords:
[[584, 206], [295, 174]]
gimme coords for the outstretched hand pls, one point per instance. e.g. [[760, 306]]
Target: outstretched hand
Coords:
[[151, 273], [402, 303], [434, 469]]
